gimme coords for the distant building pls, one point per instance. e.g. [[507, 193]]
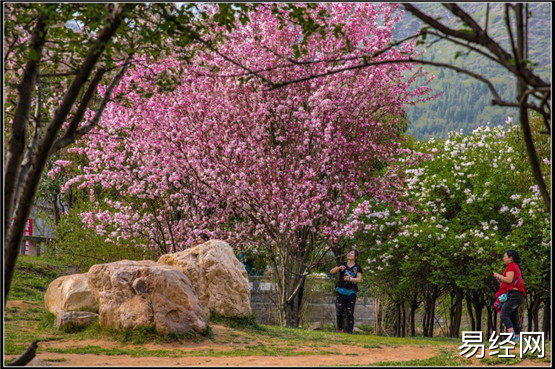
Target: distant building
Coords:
[[39, 229]]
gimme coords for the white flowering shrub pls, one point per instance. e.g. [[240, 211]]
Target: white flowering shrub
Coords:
[[473, 200]]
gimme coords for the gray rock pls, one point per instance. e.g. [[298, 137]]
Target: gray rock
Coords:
[[74, 319], [316, 326], [37, 362]]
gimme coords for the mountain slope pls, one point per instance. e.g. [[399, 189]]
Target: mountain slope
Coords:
[[465, 103]]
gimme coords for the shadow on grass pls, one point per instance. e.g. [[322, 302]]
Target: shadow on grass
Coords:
[[248, 323]]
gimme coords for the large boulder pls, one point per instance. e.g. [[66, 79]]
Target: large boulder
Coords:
[[146, 294], [70, 293], [219, 278]]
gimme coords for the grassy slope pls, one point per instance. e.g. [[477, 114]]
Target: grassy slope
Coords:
[[31, 321]]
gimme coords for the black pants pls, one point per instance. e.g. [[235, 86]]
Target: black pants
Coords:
[[345, 304], [509, 310]]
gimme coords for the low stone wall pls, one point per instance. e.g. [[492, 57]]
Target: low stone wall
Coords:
[[320, 304]]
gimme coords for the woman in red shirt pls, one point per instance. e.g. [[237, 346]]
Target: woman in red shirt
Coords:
[[512, 284]]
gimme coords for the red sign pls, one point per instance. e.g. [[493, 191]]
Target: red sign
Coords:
[[29, 228], [28, 232]]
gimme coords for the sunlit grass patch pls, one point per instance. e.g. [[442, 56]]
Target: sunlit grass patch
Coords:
[[237, 323], [292, 334], [97, 350], [255, 350], [57, 360], [32, 276]]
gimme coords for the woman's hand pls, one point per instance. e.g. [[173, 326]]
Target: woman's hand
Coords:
[[346, 278], [337, 268]]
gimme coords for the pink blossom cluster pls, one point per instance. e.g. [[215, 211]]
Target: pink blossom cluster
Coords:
[[249, 163]]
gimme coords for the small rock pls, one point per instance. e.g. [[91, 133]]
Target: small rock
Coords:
[[316, 326], [357, 330], [74, 319], [37, 362]]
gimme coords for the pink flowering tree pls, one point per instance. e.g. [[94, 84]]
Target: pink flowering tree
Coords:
[[271, 169]]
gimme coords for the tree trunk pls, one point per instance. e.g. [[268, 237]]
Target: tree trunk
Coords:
[[432, 316], [533, 313], [546, 324], [537, 318], [378, 315], [404, 320], [16, 143], [490, 324], [478, 308], [26, 356], [397, 320], [293, 311], [413, 307], [523, 112], [429, 314], [470, 313], [455, 314], [44, 148], [475, 303]]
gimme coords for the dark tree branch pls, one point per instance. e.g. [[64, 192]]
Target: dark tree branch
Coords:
[[26, 163], [16, 38], [478, 36], [511, 37], [477, 76], [50, 75], [522, 95], [44, 148], [26, 356], [438, 25], [107, 96], [16, 144], [194, 35], [487, 19], [468, 46], [81, 109]]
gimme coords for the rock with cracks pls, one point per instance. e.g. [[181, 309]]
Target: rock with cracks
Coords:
[[70, 293], [219, 278], [146, 294], [74, 319]]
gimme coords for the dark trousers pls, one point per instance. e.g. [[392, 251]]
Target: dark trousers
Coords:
[[509, 310], [345, 304]]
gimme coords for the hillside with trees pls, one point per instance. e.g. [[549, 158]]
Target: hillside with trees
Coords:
[[465, 103]]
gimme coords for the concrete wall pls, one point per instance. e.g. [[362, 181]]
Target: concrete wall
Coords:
[[320, 303]]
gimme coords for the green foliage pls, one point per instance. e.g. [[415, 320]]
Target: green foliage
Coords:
[[473, 200], [32, 276], [141, 335], [237, 323], [79, 246]]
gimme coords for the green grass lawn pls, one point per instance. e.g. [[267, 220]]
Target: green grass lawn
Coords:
[[32, 321]]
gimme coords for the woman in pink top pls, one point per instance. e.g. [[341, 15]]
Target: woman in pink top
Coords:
[[512, 284]]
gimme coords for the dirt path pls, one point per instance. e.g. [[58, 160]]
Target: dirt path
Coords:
[[231, 347], [345, 356], [368, 357]]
